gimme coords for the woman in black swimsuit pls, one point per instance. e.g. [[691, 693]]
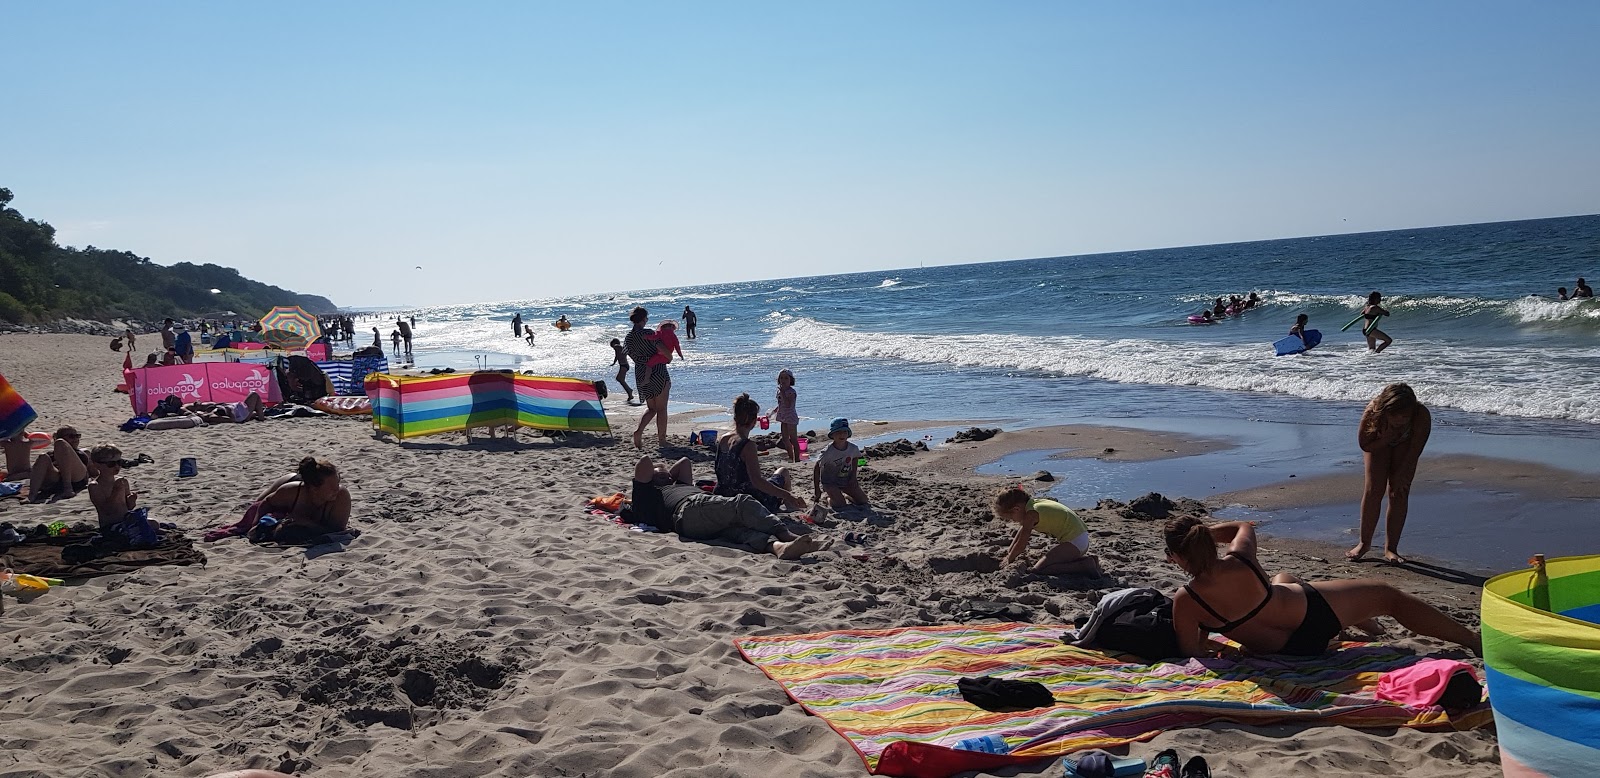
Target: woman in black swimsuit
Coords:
[[1280, 615], [310, 504], [63, 471], [654, 382]]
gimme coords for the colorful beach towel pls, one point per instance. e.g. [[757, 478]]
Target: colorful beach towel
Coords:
[[892, 693], [15, 413]]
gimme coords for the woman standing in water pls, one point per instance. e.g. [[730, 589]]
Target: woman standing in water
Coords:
[[653, 381], [1394, 429], [1377, 341]]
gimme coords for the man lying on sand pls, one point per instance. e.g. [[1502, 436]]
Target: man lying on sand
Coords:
[[666, 498], [1283, 615]]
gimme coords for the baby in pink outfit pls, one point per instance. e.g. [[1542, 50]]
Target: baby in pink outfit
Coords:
[[666, 339]]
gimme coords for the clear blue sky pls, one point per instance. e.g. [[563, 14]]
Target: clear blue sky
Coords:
[[523, 149]]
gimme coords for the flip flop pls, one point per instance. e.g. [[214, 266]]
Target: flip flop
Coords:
[[1196, 767]]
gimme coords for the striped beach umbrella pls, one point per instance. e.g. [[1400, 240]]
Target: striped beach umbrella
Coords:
[[1541, 653], [289, 327]]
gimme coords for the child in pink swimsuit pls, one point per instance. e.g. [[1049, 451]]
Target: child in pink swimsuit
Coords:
[[788, 418], [666, 339]]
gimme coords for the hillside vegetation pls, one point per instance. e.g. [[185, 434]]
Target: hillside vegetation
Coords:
[[41, 281]]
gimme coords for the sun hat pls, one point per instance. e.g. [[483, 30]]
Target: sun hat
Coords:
[[839, 424]]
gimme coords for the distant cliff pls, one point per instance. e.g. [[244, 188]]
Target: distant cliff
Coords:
[[41, 281]]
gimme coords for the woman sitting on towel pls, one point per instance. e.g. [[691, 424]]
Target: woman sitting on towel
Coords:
[[1232, 595], [309, 503]]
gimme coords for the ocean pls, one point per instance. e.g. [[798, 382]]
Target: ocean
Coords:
[[1507, 369], [1476, 325]]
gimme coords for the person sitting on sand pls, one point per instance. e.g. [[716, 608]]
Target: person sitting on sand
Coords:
[[1394, 429], [738, 470], [1232, 595], [309, 503], [1069, 556], [152, 360], [835, 470], [667, 499], [18, 452], [1581, 290], [63, 471], [113, 498]]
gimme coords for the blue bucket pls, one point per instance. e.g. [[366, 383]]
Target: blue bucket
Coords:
[[708, 437]]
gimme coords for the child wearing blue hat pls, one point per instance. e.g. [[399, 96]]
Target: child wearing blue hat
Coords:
[[835, 470]]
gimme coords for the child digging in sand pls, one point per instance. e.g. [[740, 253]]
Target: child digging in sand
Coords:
[[835, 470], [1070, 555]]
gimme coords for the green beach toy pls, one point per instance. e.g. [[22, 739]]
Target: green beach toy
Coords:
[[1352, 323]]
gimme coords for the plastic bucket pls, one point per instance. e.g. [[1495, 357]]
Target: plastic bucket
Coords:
[[764, 421], [802, 442], [708, 437]]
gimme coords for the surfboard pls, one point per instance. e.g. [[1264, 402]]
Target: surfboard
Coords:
[[1293, 345]]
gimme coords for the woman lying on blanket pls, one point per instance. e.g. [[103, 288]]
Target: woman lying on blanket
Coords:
[[667, 499], [1281, 615], [305, 504]]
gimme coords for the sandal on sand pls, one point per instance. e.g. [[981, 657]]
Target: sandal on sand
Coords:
[[1165, 765], [1196, 767]]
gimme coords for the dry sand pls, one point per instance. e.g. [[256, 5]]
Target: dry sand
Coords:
[[484, 625]]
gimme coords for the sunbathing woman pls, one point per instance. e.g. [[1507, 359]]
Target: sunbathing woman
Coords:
[[310, 503], [1281, 615], [667, 499], [63, 471]]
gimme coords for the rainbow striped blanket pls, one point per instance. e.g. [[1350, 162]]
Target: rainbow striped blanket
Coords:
[[892, 693], [15, 413]]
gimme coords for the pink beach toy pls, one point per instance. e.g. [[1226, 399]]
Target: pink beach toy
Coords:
[[763, 421]]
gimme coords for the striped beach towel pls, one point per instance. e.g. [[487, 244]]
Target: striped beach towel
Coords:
[[15, 413], [892, 693]]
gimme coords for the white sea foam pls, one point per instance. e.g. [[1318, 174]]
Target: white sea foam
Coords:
[[1496, 380]]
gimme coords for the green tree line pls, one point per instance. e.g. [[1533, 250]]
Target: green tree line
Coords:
[[41, 281]]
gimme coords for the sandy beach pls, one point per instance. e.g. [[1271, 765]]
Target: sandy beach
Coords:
[[484, 625]]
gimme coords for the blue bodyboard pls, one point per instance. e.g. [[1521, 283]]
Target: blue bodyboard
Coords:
[[1293, 344]]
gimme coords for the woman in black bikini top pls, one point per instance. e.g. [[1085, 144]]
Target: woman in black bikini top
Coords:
[[314, 503], [1280, 624]]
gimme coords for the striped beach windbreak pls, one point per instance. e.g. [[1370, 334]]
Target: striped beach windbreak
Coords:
[[1541, 647], [411, 406]]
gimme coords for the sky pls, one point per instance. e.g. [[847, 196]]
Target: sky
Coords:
[[525, 150]]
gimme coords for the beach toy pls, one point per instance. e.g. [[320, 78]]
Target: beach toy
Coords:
[[763, 421], [802, 445], [57, 528], [38, 440], [1294, 345], [1199, 320], [22, 582], [708, 437], [188, 467]]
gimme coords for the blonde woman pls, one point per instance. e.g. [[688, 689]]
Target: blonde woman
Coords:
[[1394, 429]]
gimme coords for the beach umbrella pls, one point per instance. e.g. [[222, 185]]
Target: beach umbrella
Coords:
[[289, 327]]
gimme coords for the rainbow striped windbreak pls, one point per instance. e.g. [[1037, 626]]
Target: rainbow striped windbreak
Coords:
[[412, 406], [1541, 643], [15, 413]]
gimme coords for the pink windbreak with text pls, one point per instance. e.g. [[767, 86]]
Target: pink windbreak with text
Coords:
[[204, 381]]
